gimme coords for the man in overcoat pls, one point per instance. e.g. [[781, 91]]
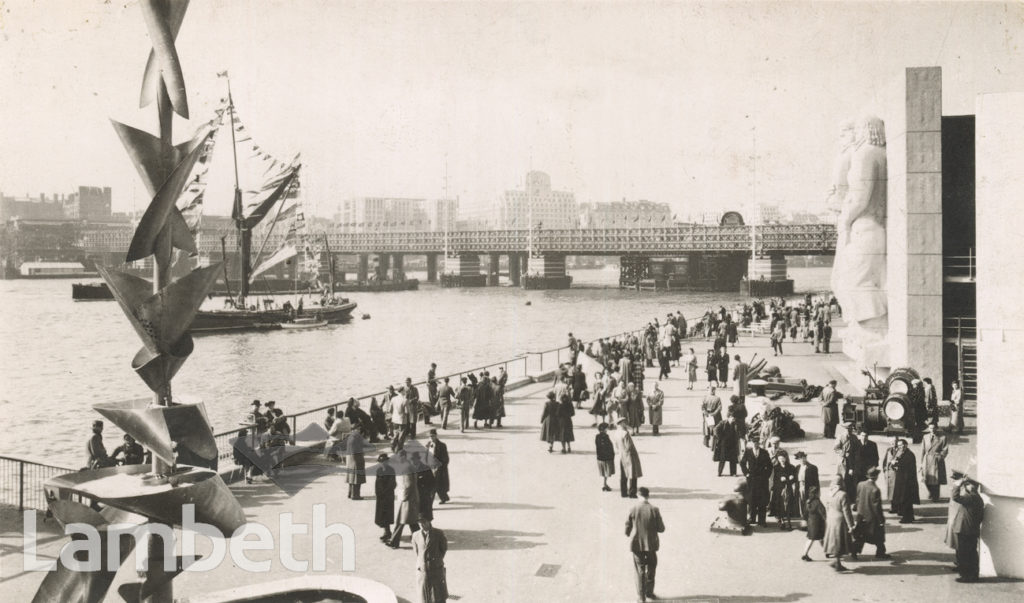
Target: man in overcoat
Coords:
[[442, 481], [726, 445], [644, 524], [965, 527], [933, 463], [408, 499], [711, 414], [830, 409], [757, 467], [430, 546], [807, 477], [629, 460], [870, 520]]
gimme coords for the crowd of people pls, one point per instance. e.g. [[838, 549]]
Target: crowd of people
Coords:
[[622, 400]]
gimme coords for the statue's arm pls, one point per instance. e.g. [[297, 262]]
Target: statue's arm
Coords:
[[862, 185]]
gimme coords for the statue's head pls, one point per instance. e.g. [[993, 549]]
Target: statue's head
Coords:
[[871, 130], [847, 132]]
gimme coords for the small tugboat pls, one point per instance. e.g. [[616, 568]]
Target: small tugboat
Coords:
[[91, 292]]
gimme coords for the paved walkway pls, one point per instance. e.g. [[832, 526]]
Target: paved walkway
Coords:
[[526, 525]]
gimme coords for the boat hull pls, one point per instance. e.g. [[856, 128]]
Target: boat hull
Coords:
[[226, 321], [91, 292]]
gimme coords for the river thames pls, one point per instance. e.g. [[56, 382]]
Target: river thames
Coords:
[[59, 357]]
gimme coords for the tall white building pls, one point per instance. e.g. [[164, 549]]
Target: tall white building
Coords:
[[443, 214], [538, 206], [387, 214]]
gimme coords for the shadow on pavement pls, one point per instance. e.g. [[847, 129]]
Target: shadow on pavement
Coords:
[[684, 494], [491, 506], [471, 540], [738, 598]]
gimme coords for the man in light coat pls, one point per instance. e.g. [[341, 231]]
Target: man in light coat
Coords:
[[629, 460], [933, 461], [430, 546], [644, 524]]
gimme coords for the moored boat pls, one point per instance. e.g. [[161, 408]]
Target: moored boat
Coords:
[[91, 292]]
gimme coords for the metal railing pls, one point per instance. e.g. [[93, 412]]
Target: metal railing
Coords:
[[21, 482], [517, 367], [960, 266], [960, 327]]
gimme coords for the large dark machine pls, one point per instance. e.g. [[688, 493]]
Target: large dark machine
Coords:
[[886, 407]]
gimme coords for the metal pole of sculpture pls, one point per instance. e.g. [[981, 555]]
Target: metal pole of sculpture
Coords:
[[859, 273], [178, 435]]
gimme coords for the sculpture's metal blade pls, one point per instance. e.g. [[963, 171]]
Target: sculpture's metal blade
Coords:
[[157, 369], [151, 76], [153, 158], [155, 218], [157, 14], [69, 586], [160, 499], [159, 428]]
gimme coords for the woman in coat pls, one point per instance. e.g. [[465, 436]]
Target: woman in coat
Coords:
[[384, 496], [551, 424], [355, 463], [565, 415], [723, 368], [816, 521], [378, 420], [902, 466], [711, 366], [838, 539], [597, 409], [785, 491]]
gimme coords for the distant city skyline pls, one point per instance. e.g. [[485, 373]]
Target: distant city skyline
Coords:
[[672, 103]]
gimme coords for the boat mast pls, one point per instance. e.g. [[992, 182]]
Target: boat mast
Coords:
[[224, 254], [244, 234], [330, 264]]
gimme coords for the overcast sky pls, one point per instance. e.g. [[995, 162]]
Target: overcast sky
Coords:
[[665, 102]]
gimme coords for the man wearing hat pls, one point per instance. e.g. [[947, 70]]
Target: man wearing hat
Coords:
[[97, 451], [847, 446], [757, 467], [439, 450], [629, 460], [255, 412], [868, 516], [644, 524], [933, 466]]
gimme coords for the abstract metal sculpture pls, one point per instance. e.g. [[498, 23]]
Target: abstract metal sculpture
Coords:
[[179, 435]]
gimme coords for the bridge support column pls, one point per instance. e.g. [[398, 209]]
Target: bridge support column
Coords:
[[513, 269], [492, 269], [550, 273], [383, 263], [468, 272], [767, 277], [363, 272], [431, 267], [398, 267]]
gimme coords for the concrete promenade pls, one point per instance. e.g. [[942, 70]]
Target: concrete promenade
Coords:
[[525, 525]]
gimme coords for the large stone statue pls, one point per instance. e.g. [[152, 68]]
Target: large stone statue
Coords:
[[858, 276], [841, 166]]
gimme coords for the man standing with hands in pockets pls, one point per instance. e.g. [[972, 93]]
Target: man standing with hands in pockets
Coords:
[[644, 525]]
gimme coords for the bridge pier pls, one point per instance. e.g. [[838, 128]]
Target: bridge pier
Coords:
[[383, 264], [767, 277], [492, 269], [363, 272], [514, 274], [398, 267], [549, 273], [431, 267], [468, 274]]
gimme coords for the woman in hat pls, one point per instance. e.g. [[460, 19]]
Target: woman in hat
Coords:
[[565, 415], [605, 455], [550, 421], [838, 539], [384, 496], [711, 366], [816, 518], [785, 495]]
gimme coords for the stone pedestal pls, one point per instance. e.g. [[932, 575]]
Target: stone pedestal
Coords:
[[548, 273], [383, 264], [999, 145], [397, 266]]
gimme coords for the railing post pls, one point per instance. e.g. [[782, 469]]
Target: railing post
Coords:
[[21, 485]]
